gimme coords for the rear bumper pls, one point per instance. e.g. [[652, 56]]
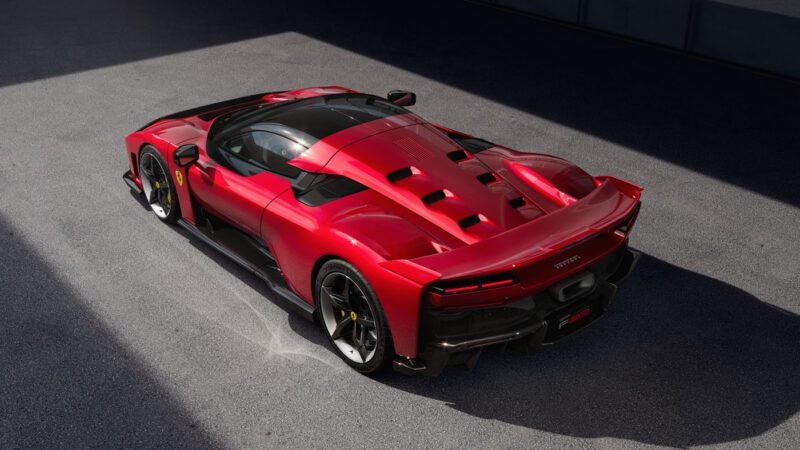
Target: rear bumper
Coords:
[[457, 337]]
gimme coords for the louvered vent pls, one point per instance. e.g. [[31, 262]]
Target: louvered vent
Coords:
[[433, 197], [398, 175], [469, 221], [458, 155], [487, 178], [517, 202]]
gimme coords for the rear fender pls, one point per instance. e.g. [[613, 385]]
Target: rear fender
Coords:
[[299, 236]]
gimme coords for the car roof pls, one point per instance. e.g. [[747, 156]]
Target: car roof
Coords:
[[311, 119]]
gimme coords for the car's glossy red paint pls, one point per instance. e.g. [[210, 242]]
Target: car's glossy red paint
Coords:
[[399, 243]]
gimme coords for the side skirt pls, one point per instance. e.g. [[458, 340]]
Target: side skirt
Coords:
[[251, 255]]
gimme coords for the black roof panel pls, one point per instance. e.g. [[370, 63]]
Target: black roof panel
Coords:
[[316, 117], [326, 115]]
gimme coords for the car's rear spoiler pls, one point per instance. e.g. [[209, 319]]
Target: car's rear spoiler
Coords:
[[219, 106], [606, 207]]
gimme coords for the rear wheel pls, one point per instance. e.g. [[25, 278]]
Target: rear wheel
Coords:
[[352, 317], [157, 186]]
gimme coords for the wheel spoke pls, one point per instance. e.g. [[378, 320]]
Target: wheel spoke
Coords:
[[162, 177], [366, 322], [162, 200], [362, 350], [337, 300], [151, 163], [341, 327], [347, 290], [153, 196]]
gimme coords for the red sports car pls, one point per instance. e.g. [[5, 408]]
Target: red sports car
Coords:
[[412, 244]]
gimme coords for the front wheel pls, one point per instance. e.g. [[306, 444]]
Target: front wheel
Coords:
[[157, 185], [352, 317]]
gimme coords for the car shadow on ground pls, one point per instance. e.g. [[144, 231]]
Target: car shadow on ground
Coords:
[[681, 359], [307, 329]]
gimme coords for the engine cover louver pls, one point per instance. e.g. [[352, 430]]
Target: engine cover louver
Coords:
[[433, 197], [398, 175]]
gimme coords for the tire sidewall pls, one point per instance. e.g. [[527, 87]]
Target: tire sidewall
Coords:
[[384, 349], [175, 210]]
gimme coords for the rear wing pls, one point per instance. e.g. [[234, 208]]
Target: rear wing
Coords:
[[614, 203], [219, 106]]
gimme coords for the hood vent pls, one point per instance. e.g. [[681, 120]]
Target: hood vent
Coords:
[[458, 155], [517, 202], [433, 197], [469, 221], [398, 175], [487, 178]]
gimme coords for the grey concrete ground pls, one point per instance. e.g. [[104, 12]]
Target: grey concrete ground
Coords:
[[116, 330]]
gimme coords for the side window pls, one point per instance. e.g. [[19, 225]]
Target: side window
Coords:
[[265, 151]]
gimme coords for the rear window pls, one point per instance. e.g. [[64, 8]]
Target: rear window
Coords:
[[323, 116]]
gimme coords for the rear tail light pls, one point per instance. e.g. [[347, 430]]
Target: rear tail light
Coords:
[[455, 290], [474, 284], [439, 293], [497, 283]]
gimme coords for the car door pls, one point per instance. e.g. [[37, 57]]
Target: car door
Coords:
[[241, 175]]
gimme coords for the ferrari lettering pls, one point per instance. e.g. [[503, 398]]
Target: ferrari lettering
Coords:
[[567, 262]]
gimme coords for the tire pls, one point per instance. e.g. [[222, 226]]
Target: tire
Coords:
[[346, 319], [157, 185]]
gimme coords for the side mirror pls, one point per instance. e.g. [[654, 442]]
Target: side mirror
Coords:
[[402, 98], [186, 155]]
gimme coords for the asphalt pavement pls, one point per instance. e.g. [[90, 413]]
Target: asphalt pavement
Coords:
[[119, 331]]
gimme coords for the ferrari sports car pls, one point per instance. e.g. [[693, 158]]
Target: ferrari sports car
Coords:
[[413, 245]]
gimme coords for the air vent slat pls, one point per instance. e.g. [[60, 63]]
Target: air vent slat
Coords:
[[487, 178], [398, 175], [458, 155], [469, 221], [517, 202], [433, 197]]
